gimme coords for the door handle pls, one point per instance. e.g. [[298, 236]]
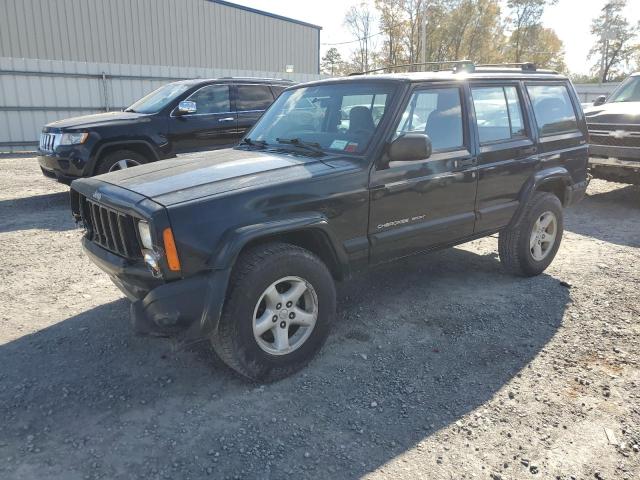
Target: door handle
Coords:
[[529, 150], [463, 162], [227, 119]]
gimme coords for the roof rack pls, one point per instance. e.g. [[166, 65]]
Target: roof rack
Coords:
[[458, 66], [462, 66]]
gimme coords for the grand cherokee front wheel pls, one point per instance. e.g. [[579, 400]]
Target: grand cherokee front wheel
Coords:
[[279, 306]]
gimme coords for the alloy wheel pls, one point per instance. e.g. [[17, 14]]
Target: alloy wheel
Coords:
[[285, 315]]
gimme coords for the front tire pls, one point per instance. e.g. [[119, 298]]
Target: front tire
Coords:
[[279, 307], [120, 160], [530, 246]]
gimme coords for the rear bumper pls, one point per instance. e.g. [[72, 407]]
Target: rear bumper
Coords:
[[189, 308]]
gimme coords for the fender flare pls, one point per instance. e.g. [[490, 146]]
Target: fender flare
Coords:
[[121, 144], [235, 240], [538, 179]]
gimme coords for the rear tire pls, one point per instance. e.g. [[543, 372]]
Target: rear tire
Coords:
[[119, 160], [530, 246], [279, 307]]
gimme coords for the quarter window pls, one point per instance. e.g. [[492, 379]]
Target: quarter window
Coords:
[[436, 112], [212, 99], [253, 97], [553, 109], [498, 113]]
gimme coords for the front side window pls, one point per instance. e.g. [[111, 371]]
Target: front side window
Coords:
[[553, 109], [498, 113], [340, 117], [159, 99], [628, 91], [253, 97], [212, 99], [436, 112]]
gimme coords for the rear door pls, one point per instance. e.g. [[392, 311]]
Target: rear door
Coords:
[[251, 102], [561, 125], [507, 151], [421, 204], [212, 126]]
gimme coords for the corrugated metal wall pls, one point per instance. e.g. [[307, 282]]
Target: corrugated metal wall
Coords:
[[187, 33], [64, 58], [36, 92]]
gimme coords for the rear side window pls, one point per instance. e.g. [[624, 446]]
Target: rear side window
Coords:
[[253, 97], [277, 90], [436, 112], [498, 113], [553, 109]]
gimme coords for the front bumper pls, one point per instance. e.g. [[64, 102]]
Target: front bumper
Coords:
[[189, 308], [615, 169], [61, 167], [609, 151]]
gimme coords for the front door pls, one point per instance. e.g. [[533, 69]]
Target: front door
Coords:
[[421, 204], [251, 101], [213, 125]]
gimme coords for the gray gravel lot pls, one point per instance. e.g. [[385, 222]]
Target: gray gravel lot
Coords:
[[438, 367]]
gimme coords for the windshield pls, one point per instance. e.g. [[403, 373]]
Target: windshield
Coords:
[[339, 117], [628, 91], [158, 99]]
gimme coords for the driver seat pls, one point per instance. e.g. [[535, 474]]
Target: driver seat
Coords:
[[361, 121]]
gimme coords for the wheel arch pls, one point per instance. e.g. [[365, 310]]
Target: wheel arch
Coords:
[[555, 180], [309, 232], [142, 147]]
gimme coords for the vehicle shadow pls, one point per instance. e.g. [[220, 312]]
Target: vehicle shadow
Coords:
[[48, 211], [612, 216], [417, 344]]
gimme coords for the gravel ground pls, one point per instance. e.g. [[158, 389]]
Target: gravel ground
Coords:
[[438, 367]]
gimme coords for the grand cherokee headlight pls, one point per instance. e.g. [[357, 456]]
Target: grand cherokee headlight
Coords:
[[145, 235], [73, 138]]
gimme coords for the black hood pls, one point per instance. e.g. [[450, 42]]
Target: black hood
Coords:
[[96, 120], [615, 112], [214, 173]]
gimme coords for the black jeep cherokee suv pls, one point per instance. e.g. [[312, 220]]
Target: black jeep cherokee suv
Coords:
[[179, 117], [242, 246]]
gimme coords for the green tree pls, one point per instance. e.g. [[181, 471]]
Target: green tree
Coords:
[[614, 47], [332, 63], [525, 24]]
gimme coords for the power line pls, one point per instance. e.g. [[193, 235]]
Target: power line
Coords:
[[352, 41]]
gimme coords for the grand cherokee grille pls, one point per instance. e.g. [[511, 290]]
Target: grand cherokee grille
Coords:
[[112, 230]]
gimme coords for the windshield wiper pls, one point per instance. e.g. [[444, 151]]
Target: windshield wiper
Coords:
[[314, 147], [253, 143]]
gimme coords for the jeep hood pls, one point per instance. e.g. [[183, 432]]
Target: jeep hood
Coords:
[[93, 121], [193, 176], [615, 112]]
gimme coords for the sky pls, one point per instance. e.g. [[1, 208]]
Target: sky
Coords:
[[571, 19]]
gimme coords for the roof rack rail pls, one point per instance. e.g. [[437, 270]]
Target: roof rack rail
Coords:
[[458, 66], [524, 66]]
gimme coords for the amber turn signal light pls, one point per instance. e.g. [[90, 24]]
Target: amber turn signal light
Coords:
[[170, 250]]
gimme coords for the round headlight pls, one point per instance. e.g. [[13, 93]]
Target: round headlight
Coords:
[[145, 235]]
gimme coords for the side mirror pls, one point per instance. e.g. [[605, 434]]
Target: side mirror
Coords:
[[410, 147], [600, 100], [186, 107]]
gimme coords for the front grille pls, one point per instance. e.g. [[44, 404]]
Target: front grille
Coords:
[[112, 230], [48, 142], [615, 138]]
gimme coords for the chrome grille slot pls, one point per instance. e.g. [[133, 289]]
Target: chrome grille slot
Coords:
[[47, 142], [112, 230]]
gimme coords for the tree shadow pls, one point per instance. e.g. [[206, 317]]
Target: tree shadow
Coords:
[[417, 344], [613, 216], [49, 211]]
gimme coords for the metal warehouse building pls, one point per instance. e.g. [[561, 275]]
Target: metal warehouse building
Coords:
[[63, 58]]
